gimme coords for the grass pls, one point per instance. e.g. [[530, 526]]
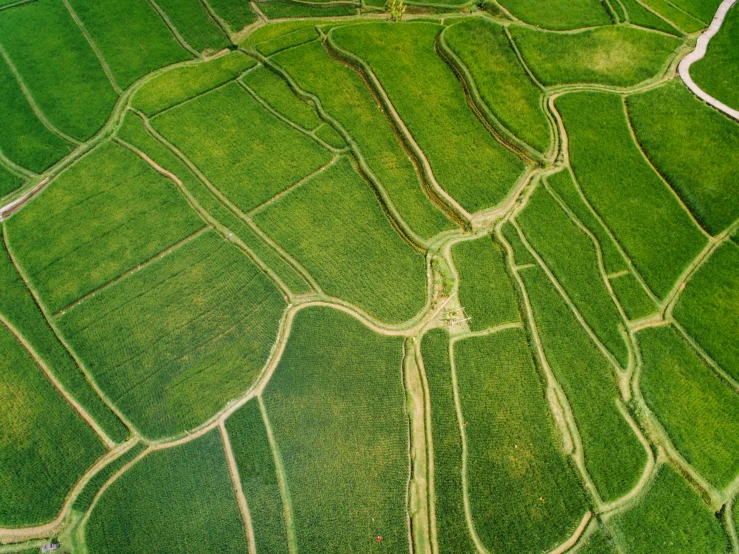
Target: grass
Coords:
[[700, 9], [279, 9], [96, 222], [277, 94], [236, 13], [618, 56], [671, 519], [614, 457], [559, 14], [201, 318], [503, 83], [19, 308], [716, 73], [135, 134], [451, 523], [655, 231], [327, 133], [342, 431], [182, 83], [698, 409], [572, 258], [335, 227], [524, 496], [299, 36], [73, 92], [344, 96], [247, 152], [132, 37], [676, 16], [272, 32], [25, 140], [170, 501], [195, 24], [598, 543], [257, 472], [707, 307], [639, 15], [9, 181], [521, 255], [466, 159], [697, 164], [45, 446], [633, 298], [485, 289]]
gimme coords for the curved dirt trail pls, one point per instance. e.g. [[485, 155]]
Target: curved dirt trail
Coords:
[[699, 52]]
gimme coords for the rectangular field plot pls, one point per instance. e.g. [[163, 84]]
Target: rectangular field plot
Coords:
[[191, 19], [614, 457], [524, 495], [184, 82], [571, 256], [655, 230], [467, 161], [174, 501], [485, 289], [247, 152], [707, 307], [131, 36], [640, 15], [344, 96], [620, 56], [674, 15], [559, 14], [670, 519], [335, 227], [503, 84], [258, 476], [73, 91], [236, 13], [631, 295], [336, 405], [45, 446], [279, 9], [699, 410], [105, 215], [699, 165], [451, 522], [173, 342]]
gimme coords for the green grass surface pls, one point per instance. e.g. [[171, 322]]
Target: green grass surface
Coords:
[[570, 255], [299, 36], [619, 56], [275, 91], [73, 92], [258, 476], [671, 519], [245, 150], [707, 307], [24, 139], [598, 543], [236, 13], [278, 9], [717, 73], [704, 10], [639, 15], [173, 342], [524, 495], [559, 14], [655, 231], [195, 25], [503, 83], [327, 133], [343, 445], [274, 31], [45, 445], [465, 158], [521, 255], [95, 222], [676, 16], [179, 84], [19, 308], [9, 181], [453, 533], [485, 289], [334, 225], [614, 456], [699, 165], [176, 500], [631, 295], [699, 410], [344, 96], [132, 37]]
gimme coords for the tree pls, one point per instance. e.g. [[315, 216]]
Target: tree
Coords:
[[397, 9]]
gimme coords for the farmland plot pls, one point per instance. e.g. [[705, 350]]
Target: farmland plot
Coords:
[[679, 18], [236, 13], [9, 181], [175, 500], [171, 343], [280, 9], [337, 409], [45, 446], [638, 14], [559, 14], [195, 25]]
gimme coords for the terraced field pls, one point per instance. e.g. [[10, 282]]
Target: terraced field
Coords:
[[286, 277]]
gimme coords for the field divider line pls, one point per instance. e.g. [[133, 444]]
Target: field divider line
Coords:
[[517, 51], [173, 30], [32, 102], [730, 525], [13, 167], [292, 540], [15, 4], [572, 540], [217, 19], [94, 46], [720, 372], [64, 393], [233, 469]]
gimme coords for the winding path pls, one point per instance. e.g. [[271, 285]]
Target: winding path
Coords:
[[699, 52]]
